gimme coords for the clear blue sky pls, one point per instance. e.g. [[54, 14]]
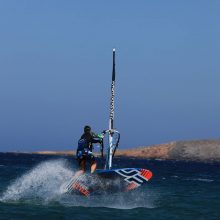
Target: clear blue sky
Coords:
[[56, 62]]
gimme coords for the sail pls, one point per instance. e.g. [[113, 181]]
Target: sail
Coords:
[[111, 149], [112, 104]]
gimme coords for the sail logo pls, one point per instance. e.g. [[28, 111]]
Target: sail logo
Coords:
[[112, 101]]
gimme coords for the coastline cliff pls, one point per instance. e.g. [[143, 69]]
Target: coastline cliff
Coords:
[[197, 150], [202, 150]]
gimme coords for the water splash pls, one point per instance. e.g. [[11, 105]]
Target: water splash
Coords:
[[43, 184]]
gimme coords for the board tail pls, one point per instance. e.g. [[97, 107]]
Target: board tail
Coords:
[[76, 184]]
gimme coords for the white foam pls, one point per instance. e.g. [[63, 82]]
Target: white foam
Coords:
[[41, 182], [44, 184]]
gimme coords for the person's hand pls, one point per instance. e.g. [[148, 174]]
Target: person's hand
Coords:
[[100, 136]]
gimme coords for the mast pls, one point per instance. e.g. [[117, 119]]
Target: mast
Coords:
[[112, 105], [111, 118]]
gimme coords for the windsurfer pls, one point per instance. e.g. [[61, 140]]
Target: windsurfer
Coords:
[[85, 146]]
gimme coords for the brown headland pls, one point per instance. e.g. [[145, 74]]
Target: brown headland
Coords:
[[196, 150]]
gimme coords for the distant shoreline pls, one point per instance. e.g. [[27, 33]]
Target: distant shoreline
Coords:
[[197, 150]]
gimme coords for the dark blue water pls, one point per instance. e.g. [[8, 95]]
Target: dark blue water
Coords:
[[30, 189]]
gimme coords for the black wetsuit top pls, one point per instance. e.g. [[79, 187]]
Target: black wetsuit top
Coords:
[[91, 138]]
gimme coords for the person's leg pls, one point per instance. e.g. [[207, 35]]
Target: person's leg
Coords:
[[82, 165], [82, 168], [93, 166]]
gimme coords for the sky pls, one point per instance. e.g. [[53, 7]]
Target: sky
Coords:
[[56, 63]]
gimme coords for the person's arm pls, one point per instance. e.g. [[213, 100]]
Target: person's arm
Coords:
[[97, 138], [94, 141]]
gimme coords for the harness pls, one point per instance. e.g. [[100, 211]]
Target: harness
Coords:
[[83, 149]]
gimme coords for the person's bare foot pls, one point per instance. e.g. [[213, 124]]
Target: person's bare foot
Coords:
[[78, 173]]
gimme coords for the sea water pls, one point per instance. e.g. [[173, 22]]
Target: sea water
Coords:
[[30, 188]]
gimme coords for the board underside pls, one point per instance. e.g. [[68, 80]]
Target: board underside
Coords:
[[108, 181]]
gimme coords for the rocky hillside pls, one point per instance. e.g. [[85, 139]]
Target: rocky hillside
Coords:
[[202, 150], [205, 150]]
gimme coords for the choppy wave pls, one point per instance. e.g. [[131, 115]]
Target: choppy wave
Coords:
[[175, 176], [43, 184], [200, 179]]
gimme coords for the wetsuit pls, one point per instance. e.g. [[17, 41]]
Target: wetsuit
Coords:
[[85, 147]]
